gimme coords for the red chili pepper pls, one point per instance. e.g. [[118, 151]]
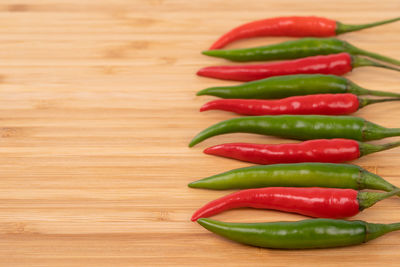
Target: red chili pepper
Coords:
[[337, 64], [314, 202], [321, 104], [291, 26], [319, 150]]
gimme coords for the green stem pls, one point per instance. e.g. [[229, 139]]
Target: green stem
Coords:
[[374, 131], [370, 180], [394, 226], [343, 28], [358, 90], [368, 199], [366, 148], [390, 132], [374, 230], [365, 101], [379, 93], [362, 62], [357, 51]]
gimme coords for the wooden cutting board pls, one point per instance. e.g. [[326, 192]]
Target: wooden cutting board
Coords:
[[97, 106]]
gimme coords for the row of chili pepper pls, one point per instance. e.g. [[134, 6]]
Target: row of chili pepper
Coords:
[[306, 177]]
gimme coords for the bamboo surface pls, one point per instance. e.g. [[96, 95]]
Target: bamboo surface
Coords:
[[97, 106]]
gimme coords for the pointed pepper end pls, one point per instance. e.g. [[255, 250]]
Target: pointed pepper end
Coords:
[[193, 142], [195, 217], [211, 150], [207, 106], [208, 150], [202, 221], [206, 223], [192, 185], [217, 150], [214, 46], [201, 92], [211, 53], [202, 72], [199, 184]]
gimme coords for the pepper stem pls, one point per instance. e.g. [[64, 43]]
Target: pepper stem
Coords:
[[343, 28], [388, 132], [358, 51], [374, 131], [368, 199], [374, 230], [370, 180], [366, 148], [358, 90], [365, 101], [362, 62]]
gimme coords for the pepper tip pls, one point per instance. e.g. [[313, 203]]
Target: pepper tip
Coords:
[[213, 46], [200, 220], [213, 150], [205, 107], [208, 150], [200, 93], [208, 52], [194, 218], [200, 72], [204, 221]]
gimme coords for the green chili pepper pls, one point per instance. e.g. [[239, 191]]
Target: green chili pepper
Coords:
[[292, 85], [296, 175], [305, 234], [301, 127], [304, 47]]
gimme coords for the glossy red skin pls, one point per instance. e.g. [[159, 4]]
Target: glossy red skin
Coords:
[[314, 202], [319, 150], [322, 104], [336, 64], [293, 26]]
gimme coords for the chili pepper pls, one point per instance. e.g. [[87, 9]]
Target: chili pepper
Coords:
[[292, 85], [305, 234], [320, 150], [314, 202], [337, 64], [296, 175], [292, 26], [301, 127], [304, 47], [323, 104]]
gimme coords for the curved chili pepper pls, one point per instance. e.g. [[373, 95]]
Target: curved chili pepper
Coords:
[[305, 234], [337, 64], [296, 49], [292, 85], [301, 127], [323, 104], [320, 150], [315, 202], [296, 175], [292, 26]]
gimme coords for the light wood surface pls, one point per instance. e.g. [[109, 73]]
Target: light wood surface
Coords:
[[97, 106]]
